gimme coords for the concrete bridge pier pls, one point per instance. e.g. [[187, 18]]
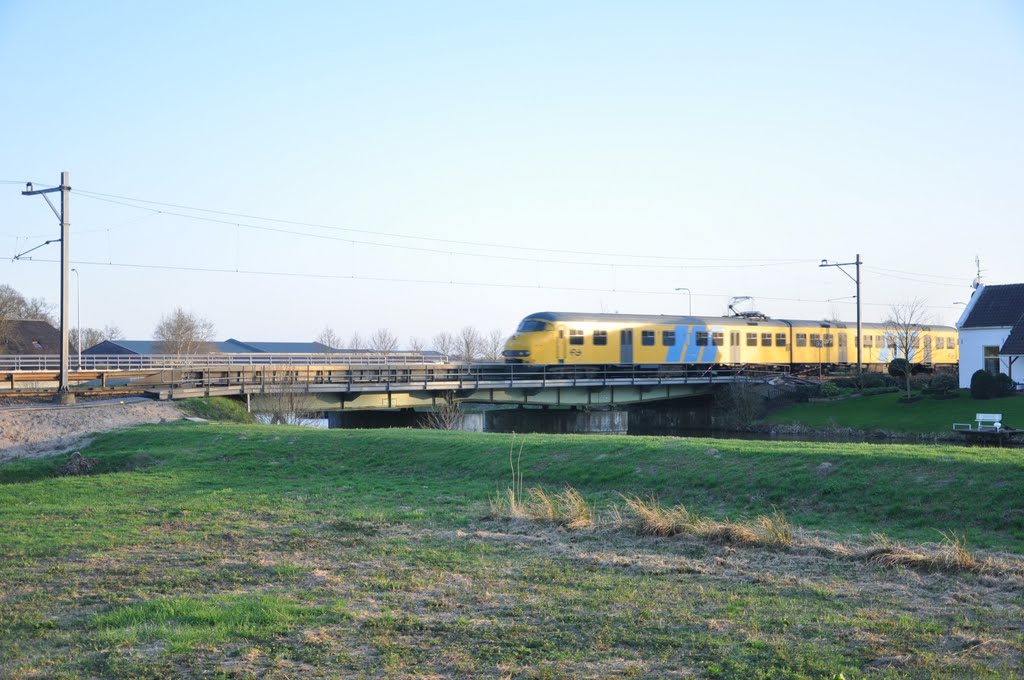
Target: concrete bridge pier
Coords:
[[369, 419]]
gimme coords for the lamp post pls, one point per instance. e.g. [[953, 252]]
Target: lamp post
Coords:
[[817, 343], [78, 304], [689, 301]]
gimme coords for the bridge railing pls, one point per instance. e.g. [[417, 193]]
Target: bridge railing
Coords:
[[462, 377], [141, 362]]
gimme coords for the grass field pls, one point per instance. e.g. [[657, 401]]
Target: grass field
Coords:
[[258, 551], [883, 412]]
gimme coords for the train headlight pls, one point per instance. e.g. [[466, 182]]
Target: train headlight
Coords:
[[516, 353]]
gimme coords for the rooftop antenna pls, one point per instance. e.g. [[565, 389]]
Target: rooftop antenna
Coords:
[[977, 279]]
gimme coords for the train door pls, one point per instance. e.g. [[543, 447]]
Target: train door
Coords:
[[560, 346], [928, 349], [843, 359], [734, 347], [626, 346]]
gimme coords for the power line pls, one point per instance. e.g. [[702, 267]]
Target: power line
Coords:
[[121, 200], [437, 251], [452, 282]]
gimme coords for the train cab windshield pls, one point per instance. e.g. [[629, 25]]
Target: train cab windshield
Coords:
[[529, 325]]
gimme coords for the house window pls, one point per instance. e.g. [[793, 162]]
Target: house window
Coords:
[[647, 338], [992, 359], [766, 339], [600, 337], [801, 339], [702, 338], [780, 339], [751, 339], [717, 338], [668, 338], [575, 337]]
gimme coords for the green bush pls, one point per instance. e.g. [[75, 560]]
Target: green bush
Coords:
[[1004, 385], [983, 385], [943, 382], [898, 368], [829, 391]]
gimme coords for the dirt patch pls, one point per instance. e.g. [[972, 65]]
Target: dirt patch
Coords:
[[45, 430]]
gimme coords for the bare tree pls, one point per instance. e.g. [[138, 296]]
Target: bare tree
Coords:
[[469, 345], [329, 339], [94, 336], [444, 342], [446, 415], [356, 341], [417, 344], [183, 332], [493, 344], [903, 330], [383, 340]]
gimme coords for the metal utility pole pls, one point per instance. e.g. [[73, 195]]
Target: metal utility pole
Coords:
[[856, 280], [64, 394]]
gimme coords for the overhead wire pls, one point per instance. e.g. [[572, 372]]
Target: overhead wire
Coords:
[[389, 279]]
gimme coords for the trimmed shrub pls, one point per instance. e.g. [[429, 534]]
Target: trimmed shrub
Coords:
[[983, 385], [1004, 385], [829, 391], [898, 368]]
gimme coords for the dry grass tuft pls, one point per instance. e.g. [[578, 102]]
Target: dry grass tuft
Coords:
[[567, 508], [949, 555], [654, 520]]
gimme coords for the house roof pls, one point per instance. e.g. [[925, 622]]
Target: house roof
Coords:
[[995, 306], [1014, 344], [29, 336]]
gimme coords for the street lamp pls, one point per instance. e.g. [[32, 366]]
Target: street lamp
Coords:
[[817, 343], [78, 295], [689, 300]]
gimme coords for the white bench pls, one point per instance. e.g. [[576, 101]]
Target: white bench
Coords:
[[987, 422]]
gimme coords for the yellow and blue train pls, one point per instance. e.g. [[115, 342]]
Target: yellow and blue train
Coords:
[[700, 341]]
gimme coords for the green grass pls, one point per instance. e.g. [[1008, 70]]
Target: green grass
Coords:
[[883, 412], [220, 409], [257, 551]]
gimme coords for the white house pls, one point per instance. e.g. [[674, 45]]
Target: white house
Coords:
[[992, 332]]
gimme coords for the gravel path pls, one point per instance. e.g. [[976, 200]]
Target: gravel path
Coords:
[[36, 430]]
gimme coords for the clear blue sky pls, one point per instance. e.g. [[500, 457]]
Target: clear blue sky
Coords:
[[572, 156]]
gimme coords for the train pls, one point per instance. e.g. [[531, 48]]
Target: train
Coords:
[[791, 345]]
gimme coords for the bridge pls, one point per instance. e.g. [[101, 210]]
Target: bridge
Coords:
[[372, 382]]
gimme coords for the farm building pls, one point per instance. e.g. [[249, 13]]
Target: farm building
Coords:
[[992, 332]]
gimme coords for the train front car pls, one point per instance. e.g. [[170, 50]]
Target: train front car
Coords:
[[533, 342]]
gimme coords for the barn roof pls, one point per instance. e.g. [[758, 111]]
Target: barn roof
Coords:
[[29, 336]]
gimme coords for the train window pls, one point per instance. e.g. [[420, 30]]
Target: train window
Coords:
[[780, 339], [801, 339], [734, 339], [950, 342], [702, 338], [878, 342], [766, 339], [575, 337], [600, 337], [828, 339], [668, 338], [529, 325], [717, 338], [842, 339], [940, 342], [815, 340], [867, 341], [647, 338], [751, 339], [915, 341]]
